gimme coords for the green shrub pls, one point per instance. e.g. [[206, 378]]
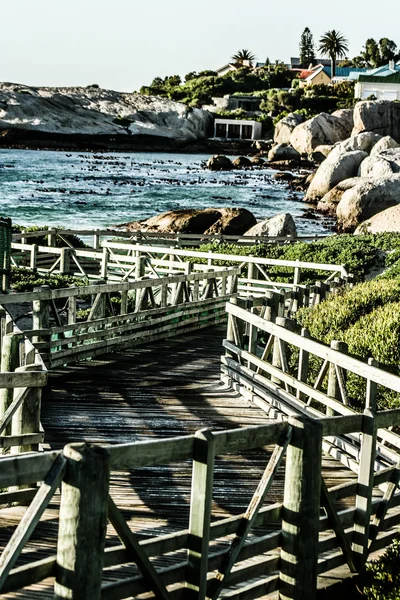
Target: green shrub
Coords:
[[24, 280], [367, 318], [383, 575]]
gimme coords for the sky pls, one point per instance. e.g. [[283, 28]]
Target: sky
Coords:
[[124, 44]]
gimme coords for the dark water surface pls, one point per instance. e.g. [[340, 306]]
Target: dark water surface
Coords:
[[87, 190]]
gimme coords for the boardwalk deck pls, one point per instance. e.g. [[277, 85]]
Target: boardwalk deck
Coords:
[[161, 390]]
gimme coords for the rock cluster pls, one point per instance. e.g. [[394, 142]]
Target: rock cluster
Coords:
[[359, 155], [226, 221]]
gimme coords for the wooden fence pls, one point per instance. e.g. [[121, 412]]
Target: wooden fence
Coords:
[[270, 546], [22, 378], [177, 240], [257, 363], [117, 261], [70, 324]]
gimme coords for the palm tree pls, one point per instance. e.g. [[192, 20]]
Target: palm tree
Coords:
[[244, 55], [334, 45]]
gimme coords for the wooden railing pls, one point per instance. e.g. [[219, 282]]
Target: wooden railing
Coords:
[[177, 240], [123, 314], [270, 546], [257, 364], [126, 261], [22, 378]]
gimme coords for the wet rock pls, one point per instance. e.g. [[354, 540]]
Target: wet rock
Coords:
[[229, 221], [283, 152], [219, 162], [242, 162]]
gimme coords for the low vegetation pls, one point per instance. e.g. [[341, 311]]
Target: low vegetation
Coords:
[[383, 575]]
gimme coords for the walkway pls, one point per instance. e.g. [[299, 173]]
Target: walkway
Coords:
[[164, 389]]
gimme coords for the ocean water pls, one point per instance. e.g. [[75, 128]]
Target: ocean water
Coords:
[[93, 190]]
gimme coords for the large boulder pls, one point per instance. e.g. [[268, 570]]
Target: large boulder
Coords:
[[96, 112], [333, 170], [319, 131], [283, 152], [321, 153], [278, 226], [365, 141], [242, 162], [284, 127], [367, 198], [346, 116], [229, 221], [385, 143], [219, 162], [381, 164], [386, 221], [381, 117], [328, 204], [233, 221]]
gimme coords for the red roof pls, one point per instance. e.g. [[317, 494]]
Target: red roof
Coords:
[[305, 73]]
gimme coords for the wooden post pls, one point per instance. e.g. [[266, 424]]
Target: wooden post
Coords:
[[33, 258], [124, 302], [303, 364], [10, 361], [301, 508], [104, 264], [51, 237], [200, 515], [83, 523], [333, 383], [96, 239], [279, 354], [296, 276], [40, 313], [365, 483], [253, 338], [65, 262], [71, 310], [140, 267], [27, 418]]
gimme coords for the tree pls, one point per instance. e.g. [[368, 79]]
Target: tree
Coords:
[[388, 50], [244, 55], [334, 45], [307, 52]]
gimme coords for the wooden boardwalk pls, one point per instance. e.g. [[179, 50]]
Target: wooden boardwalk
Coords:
[[165, 389]]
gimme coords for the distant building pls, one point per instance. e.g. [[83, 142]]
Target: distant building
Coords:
[[236, 129], [296, 64], [323, 74], [232, 67], [250, 104], [383, 83]]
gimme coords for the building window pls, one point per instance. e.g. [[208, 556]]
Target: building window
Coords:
[[220, 130], [247, 132], [234, 131]]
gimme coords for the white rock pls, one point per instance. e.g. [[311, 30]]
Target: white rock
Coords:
[[381, 164], [337, 167], [384, 143], [386, 221], [279, 225], [283, 152], [94, 111], [346, 115], [381, 116], [284, 127], [366, 199], [363, 141], [321, 130]]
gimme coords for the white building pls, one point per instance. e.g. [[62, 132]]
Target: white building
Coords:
[[236, 129], [383, 83]]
